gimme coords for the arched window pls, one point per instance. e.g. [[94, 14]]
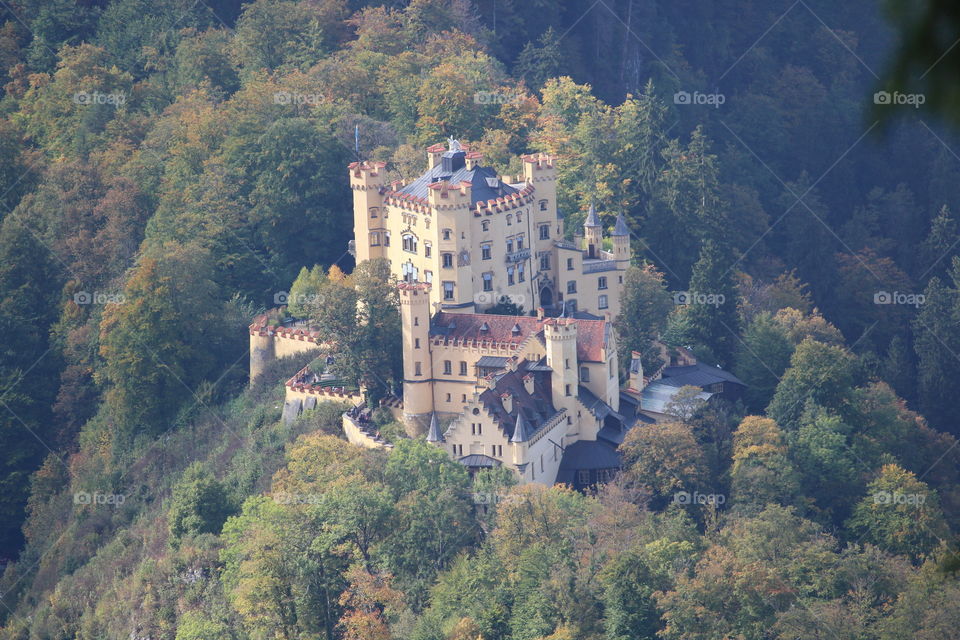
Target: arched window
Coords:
[[410, 242], [485, 225], [543, 205], [509, 219], [374, 212]]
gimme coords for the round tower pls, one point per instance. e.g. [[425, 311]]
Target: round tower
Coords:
[[417, 363], [262, 352], [560, 335], [621, 242], [367, 180]]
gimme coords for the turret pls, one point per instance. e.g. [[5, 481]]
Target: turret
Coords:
[[417, 365], [561, 346], [621, 242], [434, 434], [538, 171], [592, 233], [367, 180]]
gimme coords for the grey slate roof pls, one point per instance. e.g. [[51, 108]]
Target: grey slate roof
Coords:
[[522, 430], [492, 362], [434, 434], [478, 460], [595, 405], [621, 228], [593, 220], [478, 177], [698, 375]]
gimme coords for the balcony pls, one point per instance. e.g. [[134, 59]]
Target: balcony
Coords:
[[518, 256]]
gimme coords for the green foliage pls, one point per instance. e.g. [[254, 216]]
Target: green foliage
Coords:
[[762, 356], [199, 504]]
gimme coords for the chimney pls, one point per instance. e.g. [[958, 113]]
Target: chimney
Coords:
[[540, 313]]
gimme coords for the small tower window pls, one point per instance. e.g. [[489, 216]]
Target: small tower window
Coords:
[[544, 232], [386, 238], [520, 243], [447, 261], [602, 282], [509, 275], [427, 249], [410, 242], [448, 291], [569, 264], [520, 273], [543, 205], [584, 374], [463, 367], [545, 262], [572, 286], [374, 212], [446, 234], [485, 225], [416, 370], [519, 217], [485, 251], [447, 370], [602, 302], [509, 219]]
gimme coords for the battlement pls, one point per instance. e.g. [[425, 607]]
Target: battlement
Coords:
[[366, 175]]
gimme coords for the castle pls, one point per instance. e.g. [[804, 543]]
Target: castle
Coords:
[[478, 238], [537, 394]]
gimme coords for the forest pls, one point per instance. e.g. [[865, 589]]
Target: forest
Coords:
[[172, 168]]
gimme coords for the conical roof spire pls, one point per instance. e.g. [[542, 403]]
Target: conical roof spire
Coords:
[[593, 220], [522, 430], [434, 434], [621, 228]]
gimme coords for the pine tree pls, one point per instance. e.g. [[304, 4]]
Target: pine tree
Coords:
[[940, 245], [712, 302]]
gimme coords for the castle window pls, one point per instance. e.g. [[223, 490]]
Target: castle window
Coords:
[[583, 477], [386, 238], [463, 367], [519, 217], [447, 370], [541, 463], [602, 302], [375, 239], [448, 291], [488, 281], [566, 388], [569, 264], [612, 372], [485, 225], [446, 234], [545, 262], [427, 249], [584, 374], [448, 397], [509, 219], [416, 369], [447, 260], [520, 273], [510, 245], [571, 286], [416, 321], [509, 275], [543, 205], [620, 279], [428, 276], [409, 242], [416, 343], [465, 399], [520, 243], [485, 251], [544, 232], [374, 211], [602, 282], [566, 363]]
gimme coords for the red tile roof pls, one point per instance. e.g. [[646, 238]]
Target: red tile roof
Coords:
[[590, 333]]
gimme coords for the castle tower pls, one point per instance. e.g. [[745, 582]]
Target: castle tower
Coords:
[[451, 209], [539, 171], [417, 367], [561, 341], [367, 180], [262, 352], [592, 234], [621, 242]]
